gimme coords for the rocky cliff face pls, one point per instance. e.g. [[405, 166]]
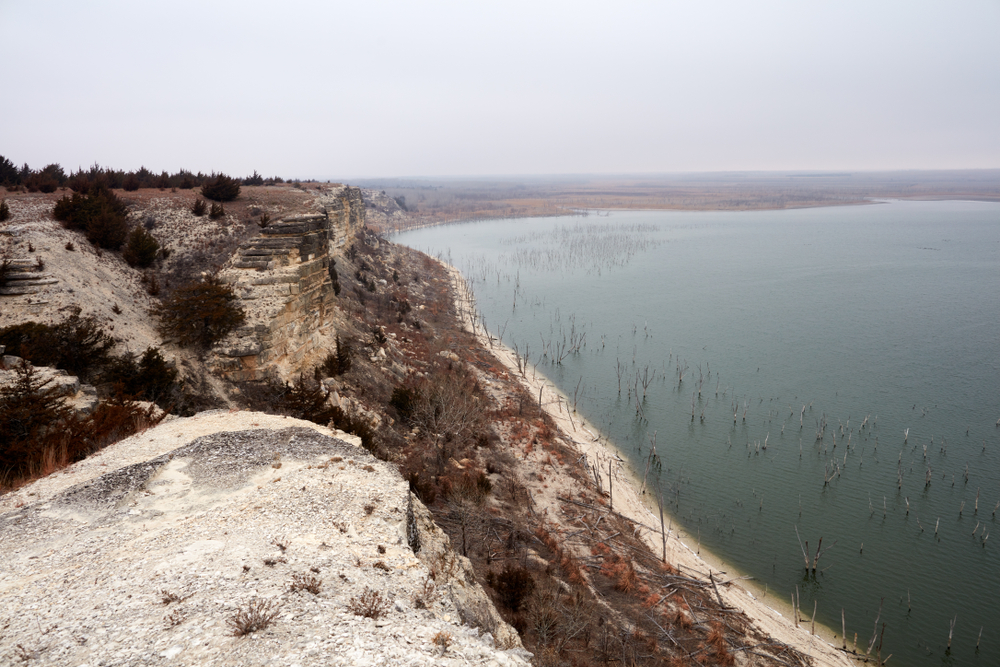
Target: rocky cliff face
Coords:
[[384, 212], [150, 551], [283, 279]]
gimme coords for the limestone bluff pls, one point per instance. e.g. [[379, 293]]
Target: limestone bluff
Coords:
[[283, 281]]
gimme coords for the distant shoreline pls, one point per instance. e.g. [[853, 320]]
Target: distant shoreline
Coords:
[[429, 201], [583, 211]]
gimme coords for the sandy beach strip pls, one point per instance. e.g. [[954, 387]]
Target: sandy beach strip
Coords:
[[642, 509]]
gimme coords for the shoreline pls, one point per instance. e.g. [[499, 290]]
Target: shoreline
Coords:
[[583, 211], [603, 457]]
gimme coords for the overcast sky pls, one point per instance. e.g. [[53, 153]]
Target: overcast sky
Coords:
[[376, 88]]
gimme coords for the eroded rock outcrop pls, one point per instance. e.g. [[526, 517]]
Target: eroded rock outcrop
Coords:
[[23, 276], [283, 281], [79, 397], [152, 561]]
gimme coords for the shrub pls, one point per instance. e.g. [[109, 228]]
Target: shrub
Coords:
[[82, 181], [8, 173], [256, 615], [337, 362], [28, 410], [41, 183], [305, 399], [221, 188], [305, 582], [513, 585], [370, 604], [405, 400], [38, 434], [77, 345], [28, 340], [47, 180], [256, 179], [200, 313], [4, 210], [449, 405], [54, 172], [216, 212], [100, 214], [199, 207], [107, 229], [150, 378], [79, 183], [114, 419], [131, 183], [155, 377], [423, 487], [423, 598], [141, 248], [443, 639]]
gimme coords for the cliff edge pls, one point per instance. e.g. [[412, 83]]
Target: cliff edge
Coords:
[[163, 548]]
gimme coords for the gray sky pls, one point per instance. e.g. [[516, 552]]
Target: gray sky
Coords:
[[379, 88]]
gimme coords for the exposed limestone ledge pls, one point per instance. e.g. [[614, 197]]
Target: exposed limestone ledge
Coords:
[[282, 278], [90, 554], [24, 276]]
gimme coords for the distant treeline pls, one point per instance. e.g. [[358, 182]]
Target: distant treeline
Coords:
[[51, 177]]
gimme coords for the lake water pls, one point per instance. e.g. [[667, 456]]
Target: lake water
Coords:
[[881, 321]]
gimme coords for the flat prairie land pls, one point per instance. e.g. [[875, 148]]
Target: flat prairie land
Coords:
[[435, 201]]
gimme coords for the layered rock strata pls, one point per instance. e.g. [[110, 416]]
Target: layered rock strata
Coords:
[[282, 279], [23, 276]]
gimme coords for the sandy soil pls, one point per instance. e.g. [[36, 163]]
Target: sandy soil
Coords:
[[642, 509]]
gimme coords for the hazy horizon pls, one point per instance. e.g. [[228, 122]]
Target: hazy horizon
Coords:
[[358, 91], [797, 173]]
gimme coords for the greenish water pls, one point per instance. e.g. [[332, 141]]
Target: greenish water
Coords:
[[876, 318]]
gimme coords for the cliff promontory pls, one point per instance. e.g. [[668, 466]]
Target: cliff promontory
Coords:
[[284, 279], [166, 547]]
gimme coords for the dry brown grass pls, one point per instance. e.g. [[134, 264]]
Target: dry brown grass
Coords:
[[305, 582], [370, 604], [255, 616]]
